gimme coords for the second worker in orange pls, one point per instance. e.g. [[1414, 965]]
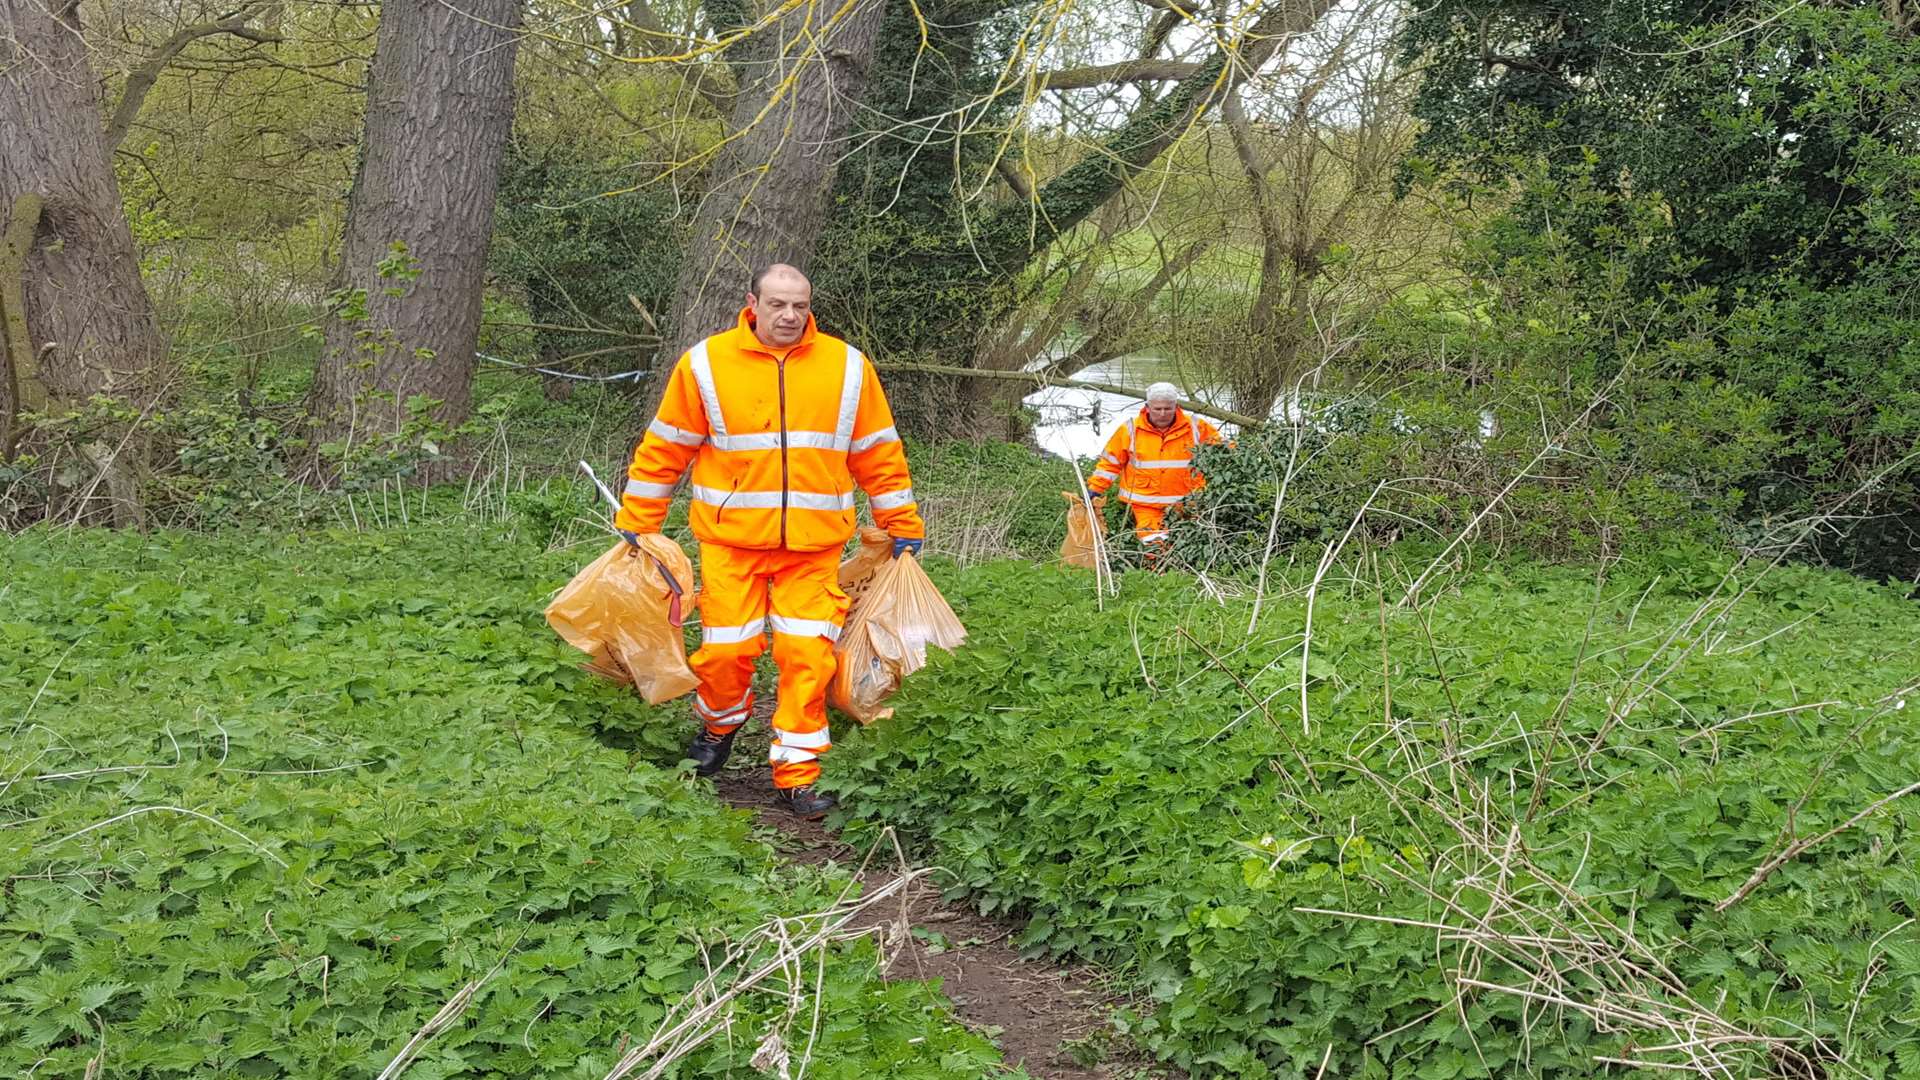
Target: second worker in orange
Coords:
[[779, 422]]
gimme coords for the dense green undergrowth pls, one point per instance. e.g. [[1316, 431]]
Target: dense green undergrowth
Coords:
[[1466, 792], [267, 804]]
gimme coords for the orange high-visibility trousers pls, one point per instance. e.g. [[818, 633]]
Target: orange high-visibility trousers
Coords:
[[744, 593], [1150, 525]]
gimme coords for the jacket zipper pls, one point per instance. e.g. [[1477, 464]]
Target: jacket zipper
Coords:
[[785, 482]]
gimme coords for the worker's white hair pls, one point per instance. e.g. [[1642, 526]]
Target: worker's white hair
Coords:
[[1162, 391]]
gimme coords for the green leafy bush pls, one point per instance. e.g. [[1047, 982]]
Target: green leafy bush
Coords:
[[268, 805], [1140, 785], [990, 499], [1586, 420], [1780, 193]]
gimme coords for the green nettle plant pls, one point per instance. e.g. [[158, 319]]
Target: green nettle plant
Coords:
[[271, 803], [1533, 823]]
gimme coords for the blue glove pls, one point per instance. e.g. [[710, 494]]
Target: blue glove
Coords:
[[901, 543]]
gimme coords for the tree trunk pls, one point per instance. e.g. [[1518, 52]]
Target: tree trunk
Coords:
[[1278, 320], [84, 310], [766, 200], [413, 265], [1277, 330]]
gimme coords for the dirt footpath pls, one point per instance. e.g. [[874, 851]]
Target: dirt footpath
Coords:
[[1047, 1017]]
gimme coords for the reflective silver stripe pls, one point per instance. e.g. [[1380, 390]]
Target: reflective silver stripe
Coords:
[[816, 440], [1150, 500], [1133, 431], [675, 435], [1170, 463], [892, 500], [641, 489], [839, 439], [790, 754], [732, 720], [1105, 474], [805, 627], [868, 442], [1109, 459], [700, 706], [770, 500], [762, 440], [849, 398], [731, 635], [762, 500], [803, 740], [1152, 537], [703, 378], [814, 500], [770, 440]]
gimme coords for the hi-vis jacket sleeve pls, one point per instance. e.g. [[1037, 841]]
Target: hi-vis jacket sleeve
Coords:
[[1112, 460], [664, 452], [878, 461], [1203, 432]]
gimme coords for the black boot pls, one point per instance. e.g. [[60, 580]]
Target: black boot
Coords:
[[709, 751], [805, 803]]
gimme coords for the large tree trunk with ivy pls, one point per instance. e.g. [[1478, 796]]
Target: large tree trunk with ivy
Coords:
[[801, 80], [77, 317], [405, 318]]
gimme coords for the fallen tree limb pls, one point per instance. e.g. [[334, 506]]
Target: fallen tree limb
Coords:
[[1038, 379]]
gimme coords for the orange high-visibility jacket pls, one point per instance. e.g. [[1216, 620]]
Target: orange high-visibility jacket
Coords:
[[1154, 468], [776, 445]]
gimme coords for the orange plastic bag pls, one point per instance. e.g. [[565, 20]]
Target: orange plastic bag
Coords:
[[897, 612], [1085, 528], [625, 611], [876, 547]]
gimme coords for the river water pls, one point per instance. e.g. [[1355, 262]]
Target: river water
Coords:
[[1075, 423]]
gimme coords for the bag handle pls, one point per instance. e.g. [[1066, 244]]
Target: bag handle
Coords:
[[676, 614]]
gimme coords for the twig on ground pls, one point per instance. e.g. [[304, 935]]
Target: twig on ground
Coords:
[[1313, 590], [1794, 850], [441, 1020], [216, 822]]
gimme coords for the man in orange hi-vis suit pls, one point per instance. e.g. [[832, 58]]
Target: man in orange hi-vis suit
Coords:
[[1151, 456], [779, 422]]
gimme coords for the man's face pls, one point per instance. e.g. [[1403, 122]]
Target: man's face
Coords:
[[1160, 413], [780, 309]]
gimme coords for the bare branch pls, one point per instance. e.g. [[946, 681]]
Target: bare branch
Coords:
[[1011, 175], [1794, 851], [141, 81], [1126, 71], [1067, 199]]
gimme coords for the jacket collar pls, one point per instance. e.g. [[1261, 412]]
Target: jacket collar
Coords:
[[746, 340]]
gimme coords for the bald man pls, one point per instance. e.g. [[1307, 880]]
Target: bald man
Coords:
[[780, 422]]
